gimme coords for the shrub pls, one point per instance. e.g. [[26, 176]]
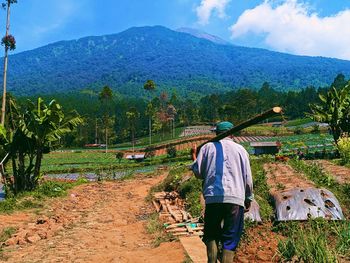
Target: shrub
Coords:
[[299, 130], [344, 149], [315, 129], [119, 156], [149, 152], [171, 151]]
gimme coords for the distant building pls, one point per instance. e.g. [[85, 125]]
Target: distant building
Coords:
[[265, 147], [136, 157]]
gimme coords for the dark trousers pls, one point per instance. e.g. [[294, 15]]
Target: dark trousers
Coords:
[[230, 232]]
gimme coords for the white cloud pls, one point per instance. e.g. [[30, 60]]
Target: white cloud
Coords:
[[291, 27], [207, 7]]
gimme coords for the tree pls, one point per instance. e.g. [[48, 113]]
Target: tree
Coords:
[[106, 99], [171, 112], [37, 129], [334, 109], [132, 115], [10, 44], [339, 82], [150, 86]]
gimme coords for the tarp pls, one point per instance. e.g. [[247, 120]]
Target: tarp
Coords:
[[307, 203], [254, 212]]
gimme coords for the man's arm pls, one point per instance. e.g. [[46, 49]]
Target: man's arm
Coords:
[[249, 185], [195, 166]]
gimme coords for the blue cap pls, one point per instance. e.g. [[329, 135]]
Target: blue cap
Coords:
[[223, 126]]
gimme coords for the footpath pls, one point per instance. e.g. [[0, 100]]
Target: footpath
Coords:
[[97, 222]]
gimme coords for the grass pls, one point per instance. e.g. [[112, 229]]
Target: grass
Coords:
[[33, 199], [261, 188], [316, 240], [6, 233], [298, 122], [82, 161], [264, 130], [155, 228], [93, 161], [156, 138]]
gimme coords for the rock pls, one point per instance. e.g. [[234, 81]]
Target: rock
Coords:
[[21, 234], [33, 239], [12, 241], [41, 221], [263, 257], [22, 241], [31, 225], [42, 234]]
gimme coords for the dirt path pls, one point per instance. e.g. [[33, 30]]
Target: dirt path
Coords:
[[340, 173], [95, 223]]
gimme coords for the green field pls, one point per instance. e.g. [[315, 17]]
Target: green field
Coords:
[[96, 160], [156, 139]]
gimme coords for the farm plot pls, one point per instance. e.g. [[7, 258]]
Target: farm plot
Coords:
[[340, 173], [282, 177], [309, 240], [82, 161], [296, 198], [313, 142], [310, 143]]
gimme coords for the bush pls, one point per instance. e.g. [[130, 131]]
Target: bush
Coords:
[[150, 152], [344, 149], [299, 130], [119, 156], [315, 129], [171, 151]]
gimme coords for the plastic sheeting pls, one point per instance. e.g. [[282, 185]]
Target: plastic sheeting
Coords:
[[306, 203], [254, 212]]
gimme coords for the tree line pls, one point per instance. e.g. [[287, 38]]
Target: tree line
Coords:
[[110, 118]]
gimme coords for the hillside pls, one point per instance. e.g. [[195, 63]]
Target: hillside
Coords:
[[172, 59]]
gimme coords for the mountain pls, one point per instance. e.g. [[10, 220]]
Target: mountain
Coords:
[[204, 35], [174, 60]]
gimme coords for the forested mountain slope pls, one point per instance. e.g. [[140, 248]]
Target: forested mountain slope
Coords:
[[172, 59]]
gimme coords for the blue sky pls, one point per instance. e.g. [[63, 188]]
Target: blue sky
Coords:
[[313, 27]]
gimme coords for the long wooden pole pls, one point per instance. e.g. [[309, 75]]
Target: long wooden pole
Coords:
[[3, 108], [243, 125]]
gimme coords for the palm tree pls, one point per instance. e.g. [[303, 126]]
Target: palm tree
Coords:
[[150, 86], [171, 112], [132, 115], [106, 98], [10, 43]]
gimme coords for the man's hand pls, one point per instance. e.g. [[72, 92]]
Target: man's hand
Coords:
[[247, 204], [194, 152]]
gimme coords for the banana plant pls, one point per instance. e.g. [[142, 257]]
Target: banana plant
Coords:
[[38, 128], [334, 109]]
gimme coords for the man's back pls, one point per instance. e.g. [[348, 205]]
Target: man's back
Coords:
[[225, 170]]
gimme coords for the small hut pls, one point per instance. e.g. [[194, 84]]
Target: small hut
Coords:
[[136, 157], [265, 147]]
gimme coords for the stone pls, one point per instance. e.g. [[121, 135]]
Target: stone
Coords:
[[12, 241], [33, 239]]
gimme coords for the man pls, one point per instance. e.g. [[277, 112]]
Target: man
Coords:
[[227, 188]]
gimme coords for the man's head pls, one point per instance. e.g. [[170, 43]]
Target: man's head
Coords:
[[223, 126]]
